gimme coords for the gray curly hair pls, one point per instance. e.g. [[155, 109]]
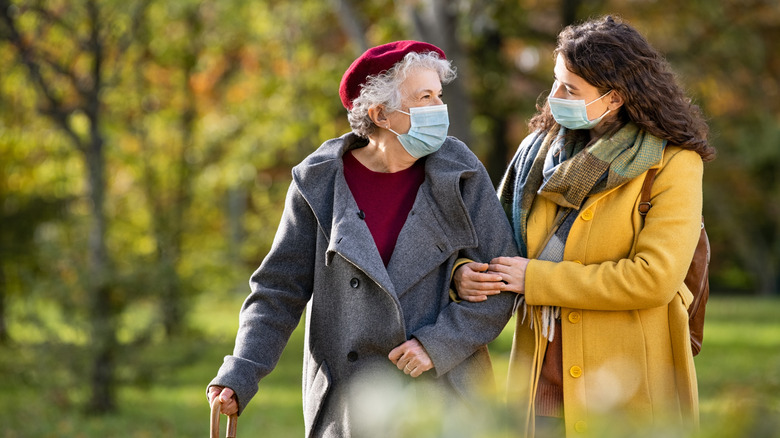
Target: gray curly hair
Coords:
[[385, 88]]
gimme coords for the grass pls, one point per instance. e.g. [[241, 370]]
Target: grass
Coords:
[[164, 383]]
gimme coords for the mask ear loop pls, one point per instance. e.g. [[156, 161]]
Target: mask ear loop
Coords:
[[605, 112], [388, 126], [599, 98]]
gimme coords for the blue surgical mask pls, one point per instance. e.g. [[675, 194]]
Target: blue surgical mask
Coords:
[[573, 114], [428, 130]]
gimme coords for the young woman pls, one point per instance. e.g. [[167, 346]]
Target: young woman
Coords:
[[602, 344]]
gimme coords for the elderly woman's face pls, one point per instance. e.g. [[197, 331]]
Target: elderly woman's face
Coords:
[[574, 87], [421, 88]]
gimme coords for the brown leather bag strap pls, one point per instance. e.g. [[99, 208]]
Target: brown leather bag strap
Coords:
[[644, 199]]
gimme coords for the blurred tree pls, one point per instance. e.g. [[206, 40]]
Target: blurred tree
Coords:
[[67, 50], [165, 162], [21, 217]]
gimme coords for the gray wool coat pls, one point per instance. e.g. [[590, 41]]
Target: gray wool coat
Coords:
[[324, 260]]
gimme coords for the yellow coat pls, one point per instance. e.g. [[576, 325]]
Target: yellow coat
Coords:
[[627, 362]]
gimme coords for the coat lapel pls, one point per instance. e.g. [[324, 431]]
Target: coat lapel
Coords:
[[351, 238], [422, 246], [438, 225], [320, 179]]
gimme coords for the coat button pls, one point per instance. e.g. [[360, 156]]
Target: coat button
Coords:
[[352, 356], [580, 426], [575, 371], [574, 317], [361, 215], [587, 215], [354, 283]]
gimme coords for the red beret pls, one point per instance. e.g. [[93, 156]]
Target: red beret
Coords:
[[376, 60]]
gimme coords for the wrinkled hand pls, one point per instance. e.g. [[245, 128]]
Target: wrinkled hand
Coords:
[[227, 397], [512, 272], [475, 282], [411, 358]]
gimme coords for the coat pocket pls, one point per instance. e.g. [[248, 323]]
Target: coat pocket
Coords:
[[314, 399], [686, 295]]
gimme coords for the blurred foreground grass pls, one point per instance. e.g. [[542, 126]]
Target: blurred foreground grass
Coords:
[[163, 391]]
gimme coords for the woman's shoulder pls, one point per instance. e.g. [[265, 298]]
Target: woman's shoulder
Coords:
[[679, 163], [456, 150], [457, 146], [680, 155], [323, 163], [330, 150]]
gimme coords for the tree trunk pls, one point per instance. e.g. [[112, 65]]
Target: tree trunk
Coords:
[[351, 24], [569, 10], [104, 305], [4, 337], [4, 244], [496, 160], [768, 279]]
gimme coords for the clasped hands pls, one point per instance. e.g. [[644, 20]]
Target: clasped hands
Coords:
[[475, 282]]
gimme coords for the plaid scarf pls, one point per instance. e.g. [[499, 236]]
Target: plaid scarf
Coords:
[[573, 173]]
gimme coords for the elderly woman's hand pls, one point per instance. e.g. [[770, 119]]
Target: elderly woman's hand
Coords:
[[411, 358], [474, 282], [227, 397], [512, 272]]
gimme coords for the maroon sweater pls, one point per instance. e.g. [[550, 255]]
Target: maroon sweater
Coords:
[[384, 199]]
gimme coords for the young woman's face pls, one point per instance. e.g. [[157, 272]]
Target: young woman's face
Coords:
[[573, 87]]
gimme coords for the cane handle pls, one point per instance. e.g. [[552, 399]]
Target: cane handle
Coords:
[[216, 405]]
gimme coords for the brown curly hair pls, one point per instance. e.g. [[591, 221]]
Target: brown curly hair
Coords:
[[611, 55]]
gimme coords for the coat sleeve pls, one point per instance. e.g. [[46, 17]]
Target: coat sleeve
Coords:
[[280, 290], [664, 249], [463, 327]]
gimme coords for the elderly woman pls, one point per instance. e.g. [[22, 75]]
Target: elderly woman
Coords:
[[373, 224], [602, 344]]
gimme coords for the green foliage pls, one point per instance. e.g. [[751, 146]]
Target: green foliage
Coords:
[[738, 369]]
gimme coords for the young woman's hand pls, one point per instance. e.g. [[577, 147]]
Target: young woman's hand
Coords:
[[512, 272], [475, 283]]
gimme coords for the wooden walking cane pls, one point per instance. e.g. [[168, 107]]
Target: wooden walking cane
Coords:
[[216, 405]]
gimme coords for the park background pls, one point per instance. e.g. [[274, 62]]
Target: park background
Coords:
[[146, 147]]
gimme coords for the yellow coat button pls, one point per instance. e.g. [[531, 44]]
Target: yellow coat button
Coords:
[[574, 317], [580, 426], [579, 262], [587, 215], [575, 371]]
